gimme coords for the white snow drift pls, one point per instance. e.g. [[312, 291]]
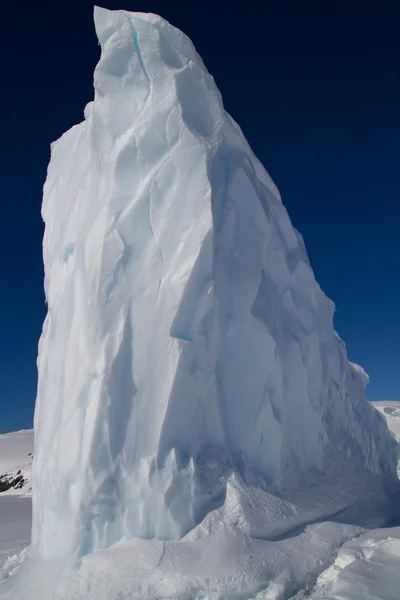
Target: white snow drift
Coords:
[[196, 414], [367, 568]]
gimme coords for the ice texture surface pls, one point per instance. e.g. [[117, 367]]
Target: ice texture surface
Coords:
[[196, 414]]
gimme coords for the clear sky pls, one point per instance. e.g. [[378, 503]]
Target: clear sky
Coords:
[[316, 91]]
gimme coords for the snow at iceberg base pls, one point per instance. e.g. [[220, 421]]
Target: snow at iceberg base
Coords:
[[199, 430]]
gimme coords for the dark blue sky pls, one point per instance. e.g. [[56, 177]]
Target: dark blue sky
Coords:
[[316, 90]]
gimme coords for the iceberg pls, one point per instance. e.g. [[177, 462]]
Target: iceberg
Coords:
[[199, 431]]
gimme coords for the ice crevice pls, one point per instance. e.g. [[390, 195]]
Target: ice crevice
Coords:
[[137, 47]]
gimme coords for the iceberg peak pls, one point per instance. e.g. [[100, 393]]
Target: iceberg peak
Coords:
[[193, 394]]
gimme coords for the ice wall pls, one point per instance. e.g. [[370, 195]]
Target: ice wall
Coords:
[[187, 343]]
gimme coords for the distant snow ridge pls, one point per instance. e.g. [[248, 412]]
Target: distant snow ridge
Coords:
[[16, 452], [195, 406], [16, 455]]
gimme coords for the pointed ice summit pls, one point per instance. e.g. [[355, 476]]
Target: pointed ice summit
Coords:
[[197, 416]]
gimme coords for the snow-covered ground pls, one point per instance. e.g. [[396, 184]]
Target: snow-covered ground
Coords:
[[368, 567], [15, 525], [16, 451]]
